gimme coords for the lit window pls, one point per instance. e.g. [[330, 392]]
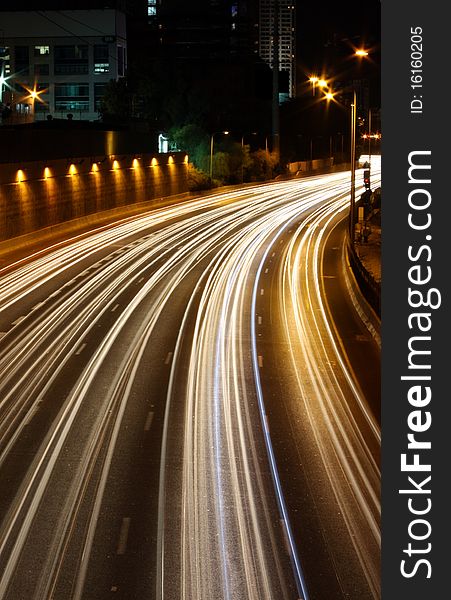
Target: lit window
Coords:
[[41, 50], [101, 67], [151, 8]]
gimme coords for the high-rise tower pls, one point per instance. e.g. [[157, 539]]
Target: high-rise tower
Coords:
[[286, 41]]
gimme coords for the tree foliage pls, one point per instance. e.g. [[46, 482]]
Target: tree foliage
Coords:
[[115, 105]]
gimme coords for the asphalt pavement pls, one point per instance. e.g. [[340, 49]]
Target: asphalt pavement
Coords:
[[186, 409]]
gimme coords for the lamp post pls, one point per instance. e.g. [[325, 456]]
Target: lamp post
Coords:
[[353, 152], [362, 53], [313, 80], [212, 137]]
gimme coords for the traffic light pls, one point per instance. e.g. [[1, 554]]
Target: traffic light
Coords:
[[366, 179]]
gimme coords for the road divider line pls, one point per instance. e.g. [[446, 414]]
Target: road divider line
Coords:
[[149, 420], [123, 536]]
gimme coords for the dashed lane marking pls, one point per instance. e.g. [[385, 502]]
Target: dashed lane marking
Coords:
[[149, 420], [80, 350], [260, 361], [285, 536], [38, 305], [168, 358], [123, 536], [18, 320], [115, 307]]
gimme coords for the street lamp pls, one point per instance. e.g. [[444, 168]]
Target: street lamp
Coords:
[[317, 81], [360, 53], [313, 80], [353, 152], [211, 150]]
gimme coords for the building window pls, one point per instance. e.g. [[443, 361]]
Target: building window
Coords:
[[41, 69], [41, 50], [22, 59], [71, 60], [101, 59], [120, 61], [151, 8], [72, 96], [101, 67], [5, 61], [99, 92]]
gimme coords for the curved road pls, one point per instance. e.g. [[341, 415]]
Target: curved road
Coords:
[[178, 413]]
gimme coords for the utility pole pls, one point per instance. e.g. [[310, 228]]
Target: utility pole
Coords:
[[275, 82]]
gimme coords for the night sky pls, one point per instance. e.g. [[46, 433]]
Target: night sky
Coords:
[[328, 32]]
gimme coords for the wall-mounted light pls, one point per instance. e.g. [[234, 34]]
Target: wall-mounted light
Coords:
[[171, 160], [72, 169], [154, 162], [94, 168], [115, 165], [20, 176], [135, 163], [186, 158], [47, 173]]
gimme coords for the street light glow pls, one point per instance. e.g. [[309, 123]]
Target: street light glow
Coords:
[[313, 79], [361, 52], [329, 96], [322, 83]]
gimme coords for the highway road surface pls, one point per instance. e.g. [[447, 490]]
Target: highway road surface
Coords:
[[189, 406]]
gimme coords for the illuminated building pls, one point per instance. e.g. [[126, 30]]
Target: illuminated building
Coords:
[[286, 17], [66, 56]]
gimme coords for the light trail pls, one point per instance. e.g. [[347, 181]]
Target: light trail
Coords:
[[226, 543]]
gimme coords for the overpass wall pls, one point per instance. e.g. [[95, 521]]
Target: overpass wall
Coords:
[[35, 195]]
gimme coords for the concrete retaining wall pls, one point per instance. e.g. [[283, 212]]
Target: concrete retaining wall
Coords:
[[310, 165], [37, 195]]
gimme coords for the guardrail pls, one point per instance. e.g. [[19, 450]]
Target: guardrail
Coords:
[[369, 287]]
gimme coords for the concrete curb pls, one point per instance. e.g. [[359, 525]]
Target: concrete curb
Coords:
[[368, 316]]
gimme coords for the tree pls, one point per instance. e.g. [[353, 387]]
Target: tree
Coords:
[[115, 105]]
